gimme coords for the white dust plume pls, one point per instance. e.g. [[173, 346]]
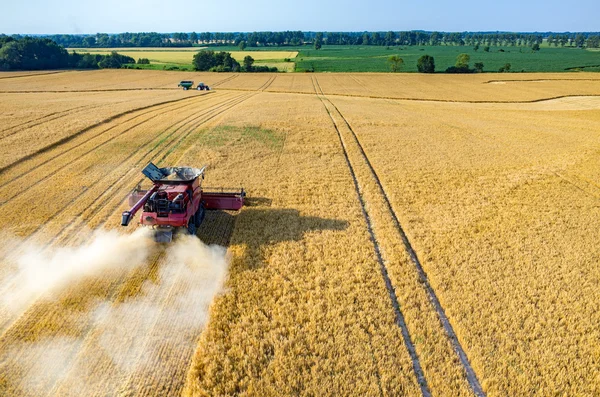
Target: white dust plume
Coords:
[[30, 271], [144, 341]]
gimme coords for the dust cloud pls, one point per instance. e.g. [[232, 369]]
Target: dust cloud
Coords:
[[150, 337], [30, 271]]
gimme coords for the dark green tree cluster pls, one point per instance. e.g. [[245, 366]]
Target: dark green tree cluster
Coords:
[[32, 54], [215, 62], [29, 53], [426, 64], [212, 61]]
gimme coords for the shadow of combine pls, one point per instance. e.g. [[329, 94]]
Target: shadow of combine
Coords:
[[257, 228]]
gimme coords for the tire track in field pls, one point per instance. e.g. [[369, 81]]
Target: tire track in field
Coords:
[[225, 80], [471, 376], [113, 189], [96, 182], [267, 84], [40, 118], [30, 74], [399, 317], [100, 134], [88, 128], [52, 117]]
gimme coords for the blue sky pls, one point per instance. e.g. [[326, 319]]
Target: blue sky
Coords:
[[114, 16]]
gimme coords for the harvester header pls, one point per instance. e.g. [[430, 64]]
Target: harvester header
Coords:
[[177, 200]]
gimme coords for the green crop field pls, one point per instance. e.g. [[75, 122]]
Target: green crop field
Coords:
[[374, 58]]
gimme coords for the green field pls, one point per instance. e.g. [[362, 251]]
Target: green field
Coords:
[[374, 58]]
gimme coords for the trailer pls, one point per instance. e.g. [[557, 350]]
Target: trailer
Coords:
[[186, 84]]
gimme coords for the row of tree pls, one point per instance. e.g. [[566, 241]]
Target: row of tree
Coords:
[[295, 38], [426, 64], [30, 53]]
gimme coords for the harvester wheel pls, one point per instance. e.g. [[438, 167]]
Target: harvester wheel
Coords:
[[191, 228], [199, 215]]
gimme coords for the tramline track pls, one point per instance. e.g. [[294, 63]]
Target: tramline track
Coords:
[[400, 321], [447, 326]]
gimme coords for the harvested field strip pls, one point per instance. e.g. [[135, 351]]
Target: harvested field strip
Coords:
[[471, 376], [15, 76], [28, 163], [83, 131], [444, 374], [51, 117], [392, 294]]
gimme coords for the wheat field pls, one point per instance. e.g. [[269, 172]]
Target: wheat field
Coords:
[[403, 235]]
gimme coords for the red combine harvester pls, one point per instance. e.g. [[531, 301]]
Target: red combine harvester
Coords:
[[177, 200]]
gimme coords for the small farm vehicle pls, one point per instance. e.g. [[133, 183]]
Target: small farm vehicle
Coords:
[[202, 86], [177, 201], [186, 84]]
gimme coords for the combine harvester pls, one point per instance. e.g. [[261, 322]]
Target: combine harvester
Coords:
[[177, 201]]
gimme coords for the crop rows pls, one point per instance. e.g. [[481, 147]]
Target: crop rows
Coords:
[[403, 235]]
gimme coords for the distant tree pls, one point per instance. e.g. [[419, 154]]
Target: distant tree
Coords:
[[318, 43], [89, 41], [390, 38], [476, 47], [535, 47], [395, 62], [426, 64], [579, 40], [248, 62], [242, 45], [505, 68], [486, 48], [593, 42], [194, 37], [143, 61], [462, 61], [365, 39], [204, 60], [478, 67], [114, 61]]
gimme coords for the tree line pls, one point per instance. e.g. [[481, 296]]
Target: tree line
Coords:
[[296, 38], [29, 53]]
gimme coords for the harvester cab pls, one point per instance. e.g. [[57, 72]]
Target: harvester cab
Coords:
[[177, 201]]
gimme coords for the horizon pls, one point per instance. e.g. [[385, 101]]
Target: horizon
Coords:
[[117, 16]]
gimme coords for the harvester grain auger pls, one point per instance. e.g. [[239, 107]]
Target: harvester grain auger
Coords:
[[177, 201]]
